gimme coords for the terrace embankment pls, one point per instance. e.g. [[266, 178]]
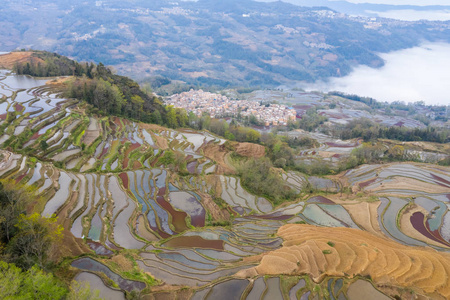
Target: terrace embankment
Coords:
[[322, 251]]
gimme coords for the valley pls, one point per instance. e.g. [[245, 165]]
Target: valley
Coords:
[[212, 43]]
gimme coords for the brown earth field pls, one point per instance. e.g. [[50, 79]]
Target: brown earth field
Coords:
[[323, 251], [218, 153], [7, 61], [250, 150], [216, 212]]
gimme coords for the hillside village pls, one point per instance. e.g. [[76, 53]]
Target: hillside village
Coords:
[[217, 105]]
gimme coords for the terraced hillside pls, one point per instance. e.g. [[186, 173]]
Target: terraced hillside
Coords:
[[161, 211], [322, 252]]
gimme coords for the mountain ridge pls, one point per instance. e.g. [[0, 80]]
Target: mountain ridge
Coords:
[[208, 43]]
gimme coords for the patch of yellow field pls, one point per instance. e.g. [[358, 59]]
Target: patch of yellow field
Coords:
[[322, 251], [365, 215]]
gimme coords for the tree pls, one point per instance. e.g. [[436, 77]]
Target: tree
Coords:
[[171, 117], [167, 159], [182, 117], [156, 117], [193, 120], [32, 284], [138, 105], [42, 286], [229, 136], [12, 203], [396, 152], [44, 145], [253, 136], [259, 176], [34, 241], [219, 127], [10, 279]]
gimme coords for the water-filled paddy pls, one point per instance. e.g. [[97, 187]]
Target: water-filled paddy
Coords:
[[89, 264], [231, 289], [294, 290], [186, 202], [96, 283], [273, 289], [60, 196], [122, 234], [362, 289]]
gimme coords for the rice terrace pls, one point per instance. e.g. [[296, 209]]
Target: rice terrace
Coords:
[[165, 213]]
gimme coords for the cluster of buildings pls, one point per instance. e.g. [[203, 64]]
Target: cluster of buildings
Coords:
[[217, 106]]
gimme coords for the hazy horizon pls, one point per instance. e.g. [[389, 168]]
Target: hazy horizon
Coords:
[[414, 74]]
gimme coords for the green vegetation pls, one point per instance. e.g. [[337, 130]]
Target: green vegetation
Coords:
[[116, 95], [260, 178], [26, 243], [370, 131], [173, 160], [36, 284], [233, 131], [26, 239], [31, 284], [310, 121], [43, 144], [98, 85], [366, 100], [46, 64]]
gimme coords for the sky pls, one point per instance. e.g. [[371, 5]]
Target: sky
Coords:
[[415, 74], [403, 2]]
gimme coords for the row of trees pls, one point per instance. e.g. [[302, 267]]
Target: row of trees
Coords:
[[118, 95], [230, 130], [366, 100], [370, 131], [47, 64]]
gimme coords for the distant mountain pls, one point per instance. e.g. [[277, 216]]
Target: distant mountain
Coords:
[[210, 42]]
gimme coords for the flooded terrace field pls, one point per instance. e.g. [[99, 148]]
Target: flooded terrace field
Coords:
[[201, 232]]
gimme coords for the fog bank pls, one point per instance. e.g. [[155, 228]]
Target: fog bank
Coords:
[[415, 74], [415, 15]]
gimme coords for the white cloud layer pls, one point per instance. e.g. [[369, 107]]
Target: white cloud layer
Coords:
[[415, 74], [415, 15]]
